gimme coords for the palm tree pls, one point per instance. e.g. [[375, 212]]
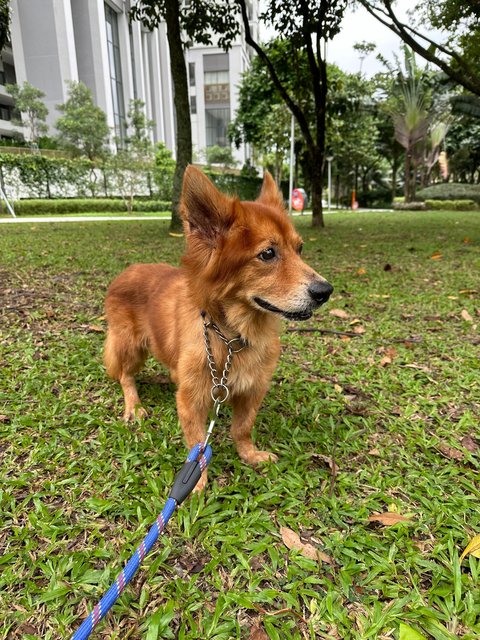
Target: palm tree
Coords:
[[411, 122]]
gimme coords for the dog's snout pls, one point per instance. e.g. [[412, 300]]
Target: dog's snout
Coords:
[[320, 291]]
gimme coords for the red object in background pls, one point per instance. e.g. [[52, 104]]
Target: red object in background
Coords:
[[298, 200]]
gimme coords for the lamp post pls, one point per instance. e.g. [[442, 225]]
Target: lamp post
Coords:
[[329, 160]]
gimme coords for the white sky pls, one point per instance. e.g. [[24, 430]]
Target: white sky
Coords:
[[360, 26]]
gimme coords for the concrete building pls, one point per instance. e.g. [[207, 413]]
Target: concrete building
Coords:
[[92, 41]]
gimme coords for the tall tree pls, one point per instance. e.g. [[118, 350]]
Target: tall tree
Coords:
[[198, 21], [28, 100], [83, 126], [304, 26], [459, 54]]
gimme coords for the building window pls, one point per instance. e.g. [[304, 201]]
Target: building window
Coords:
[[216, 81], [191, 73], [217, 121], [115, 67], [193, 105]]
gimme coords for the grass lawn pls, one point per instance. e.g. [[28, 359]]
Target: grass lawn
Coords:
[[384, 421]]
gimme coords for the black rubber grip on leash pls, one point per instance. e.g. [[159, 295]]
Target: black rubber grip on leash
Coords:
[[186, 481]]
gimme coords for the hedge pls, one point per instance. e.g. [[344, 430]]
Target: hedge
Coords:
[[451, 205], [89, 205], [450, 191]]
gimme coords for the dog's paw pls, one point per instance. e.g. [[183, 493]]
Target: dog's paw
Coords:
[[257, 457], [135, 413]]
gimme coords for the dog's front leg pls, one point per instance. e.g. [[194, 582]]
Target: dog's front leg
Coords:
[[193, 414], [245, 408]]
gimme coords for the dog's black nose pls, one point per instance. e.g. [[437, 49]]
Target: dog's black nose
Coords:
[[320, 291]]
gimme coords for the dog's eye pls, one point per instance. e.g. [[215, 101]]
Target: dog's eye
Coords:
[[267, 254]]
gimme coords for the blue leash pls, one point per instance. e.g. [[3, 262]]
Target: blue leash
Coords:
[[185, 481]]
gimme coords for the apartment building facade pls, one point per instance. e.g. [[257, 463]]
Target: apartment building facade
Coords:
[[93, 41]]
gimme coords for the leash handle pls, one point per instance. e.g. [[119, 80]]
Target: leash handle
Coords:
[[185, 482]]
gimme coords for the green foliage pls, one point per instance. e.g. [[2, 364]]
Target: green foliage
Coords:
[[57, 206], [4, 22], [198, 20], [220, 155], [451, 205], [28, 101], [451, 191], [83, 128], [163, 171], [44, 176]]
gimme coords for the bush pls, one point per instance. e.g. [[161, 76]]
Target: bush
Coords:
[[451, 205], [409, 206], [90, 205], [450, 191]]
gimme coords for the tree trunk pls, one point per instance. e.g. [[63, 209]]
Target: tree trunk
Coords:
[[406, 189], [316, 173], [182, 107]]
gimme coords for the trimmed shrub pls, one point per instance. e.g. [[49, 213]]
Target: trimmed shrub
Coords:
[[90, 205], [450, 191], [409, 206], [245, 187], [451, 205]]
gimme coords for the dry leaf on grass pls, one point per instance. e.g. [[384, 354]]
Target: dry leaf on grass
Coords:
[[450, 452], [339, 313], [361, 271], [95, 327], [258, 633], [472, 548], [436, 255], [466, 316], [468, 442], [388, 518], [291, 540], [327, 460]]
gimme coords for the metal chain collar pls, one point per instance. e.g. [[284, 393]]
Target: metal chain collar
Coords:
[[220, 390]]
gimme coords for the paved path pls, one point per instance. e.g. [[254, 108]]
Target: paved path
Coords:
[[36, 219]]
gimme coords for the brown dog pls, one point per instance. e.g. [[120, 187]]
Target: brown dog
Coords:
[[243, 269]]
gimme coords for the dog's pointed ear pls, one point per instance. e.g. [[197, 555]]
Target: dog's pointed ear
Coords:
[[270, 194], [204, 209]]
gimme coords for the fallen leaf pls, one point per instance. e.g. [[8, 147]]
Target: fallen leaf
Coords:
[[175, 235], [388, 518], [257, 633], [327, 460], [354, 321], [292, 541], [472, 548], [95, 327], [466, 240], [359, 329], [467, 291], [436, 255], [374, 452], [385, 361], [467, 441], [339, 313], [450, 452], [4, 419], [361, 271], [466, 316]]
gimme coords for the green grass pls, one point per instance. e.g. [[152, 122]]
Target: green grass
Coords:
[[396, 409]]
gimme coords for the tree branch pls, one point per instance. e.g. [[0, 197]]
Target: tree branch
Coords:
[[294, 108], [466, 80]]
